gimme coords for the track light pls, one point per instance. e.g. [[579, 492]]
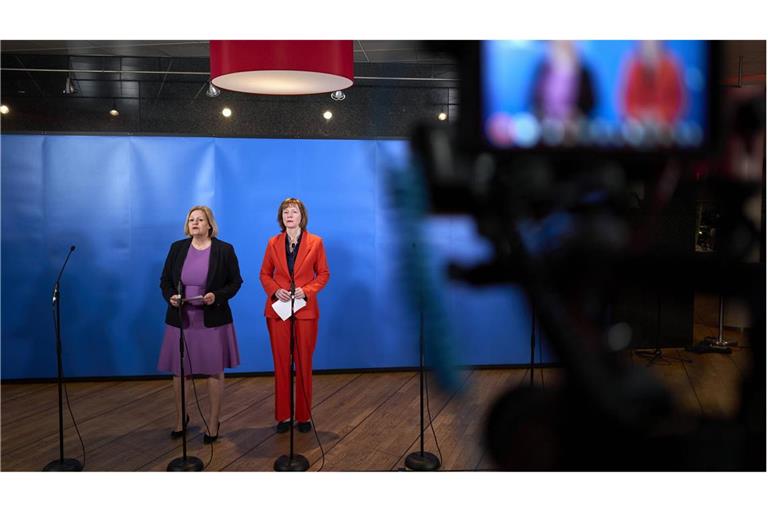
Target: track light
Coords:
[[212, 91], [4, 109], [327, 115], [113, 111], [442, 116], [226, 112], [69, 87], [338, 96]]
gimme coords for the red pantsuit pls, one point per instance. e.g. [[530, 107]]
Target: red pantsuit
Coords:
[[310, 274], [280, 336]]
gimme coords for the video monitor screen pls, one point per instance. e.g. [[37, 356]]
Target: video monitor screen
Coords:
[[613, 95]]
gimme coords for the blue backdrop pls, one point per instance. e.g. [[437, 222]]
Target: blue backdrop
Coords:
[[123, 200]]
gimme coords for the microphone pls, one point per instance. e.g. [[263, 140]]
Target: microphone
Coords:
[[180, 291], [293, 285]]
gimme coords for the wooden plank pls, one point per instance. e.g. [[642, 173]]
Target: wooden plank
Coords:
[[716, 382], [121, 409], [245, 427], [460, 426], [151, 445], [335, 417], [552, 377], [671, 374], [380, 439], [742, 358], [45, 399], [486, 463], [366, 421], [10, 392], [43, 426]]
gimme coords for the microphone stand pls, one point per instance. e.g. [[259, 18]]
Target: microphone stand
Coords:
[[421, 460], [533, 338], [292, 461], [656, 355], [183, 463], [61, 464]]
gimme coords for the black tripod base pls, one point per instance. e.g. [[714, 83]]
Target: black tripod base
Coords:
[[64, 465], [185, 464], [657, 356], [721, 342], [422, 461], [287, 463], [708, 345]]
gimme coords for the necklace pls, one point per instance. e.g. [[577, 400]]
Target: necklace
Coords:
[[293, 239]]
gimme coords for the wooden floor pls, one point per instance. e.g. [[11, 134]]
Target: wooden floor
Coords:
[[366, 421]]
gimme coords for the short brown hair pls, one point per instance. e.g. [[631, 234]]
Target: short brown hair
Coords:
[[213, 230], [292, 201]]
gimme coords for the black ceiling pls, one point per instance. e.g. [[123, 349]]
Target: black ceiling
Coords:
[[179, 69], [160, 88], [364, 51]]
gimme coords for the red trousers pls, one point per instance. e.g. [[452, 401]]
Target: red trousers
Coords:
[[280, 338]]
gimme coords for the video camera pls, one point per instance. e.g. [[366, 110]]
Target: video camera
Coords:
[[569, 155]]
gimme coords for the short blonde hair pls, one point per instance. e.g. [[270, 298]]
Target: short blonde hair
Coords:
[[213, 230], [292, 201]]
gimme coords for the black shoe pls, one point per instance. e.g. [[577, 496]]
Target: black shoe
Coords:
[[175, 434], [283, 426], [305, 426], [209, 439]]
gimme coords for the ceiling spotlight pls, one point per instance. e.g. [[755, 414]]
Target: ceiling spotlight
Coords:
[[442, 116], [113, 111], [338, 96], [4, 109], [69, 86], [327, 115], [212, 91], [226, 112]]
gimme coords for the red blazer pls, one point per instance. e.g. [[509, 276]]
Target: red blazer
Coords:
[[310, 272]]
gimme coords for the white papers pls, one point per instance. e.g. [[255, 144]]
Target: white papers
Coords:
[[283, 309]]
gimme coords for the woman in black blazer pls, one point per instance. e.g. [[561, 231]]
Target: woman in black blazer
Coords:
[[204, 270]]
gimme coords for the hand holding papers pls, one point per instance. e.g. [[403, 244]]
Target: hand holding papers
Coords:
[[283, 309]]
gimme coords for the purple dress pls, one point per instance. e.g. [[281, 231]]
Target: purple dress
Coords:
[[560, 92], [210, 349]]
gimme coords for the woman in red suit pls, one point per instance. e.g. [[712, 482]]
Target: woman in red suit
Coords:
[[294, 252]]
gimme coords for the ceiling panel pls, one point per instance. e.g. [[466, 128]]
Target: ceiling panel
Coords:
[[364, 51]]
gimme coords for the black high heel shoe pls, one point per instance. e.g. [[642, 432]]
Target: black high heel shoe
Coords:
[[175, 434], [209, 439]]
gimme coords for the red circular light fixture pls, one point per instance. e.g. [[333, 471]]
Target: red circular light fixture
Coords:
[[282, 67]]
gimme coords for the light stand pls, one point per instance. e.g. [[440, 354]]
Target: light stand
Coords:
[[61, 464], [292, 461], [719, 341], [421, 460], [183, 463]]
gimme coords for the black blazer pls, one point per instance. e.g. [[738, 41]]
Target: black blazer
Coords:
[[223, 281]]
